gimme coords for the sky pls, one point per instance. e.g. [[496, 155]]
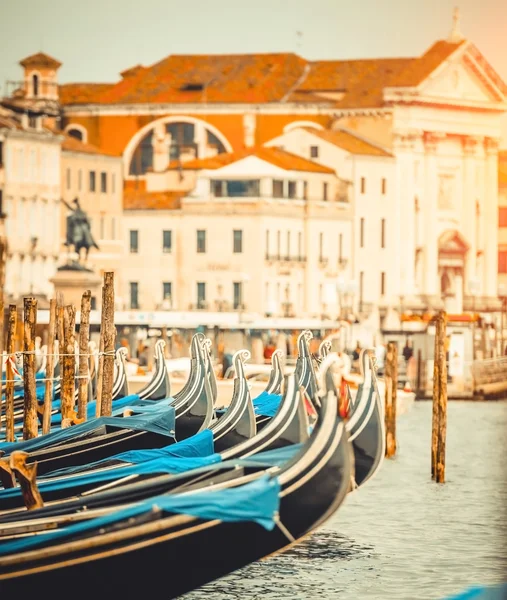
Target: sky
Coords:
[[96, 39]]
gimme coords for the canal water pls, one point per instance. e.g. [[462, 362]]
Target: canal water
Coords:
[[403, 537]]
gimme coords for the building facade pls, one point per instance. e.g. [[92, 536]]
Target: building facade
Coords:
[[262, 232], [502, 223], [30, 199], [96, 180]]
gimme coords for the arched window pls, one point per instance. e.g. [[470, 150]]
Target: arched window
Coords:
[[76, 133], [184, 143], [35, 85]]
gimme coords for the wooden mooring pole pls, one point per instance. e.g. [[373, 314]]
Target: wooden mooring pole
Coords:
[[439, 420], [69, 364], [84, 338], [30, 420], [50, 369], [391, 383], [9, 374], [109, 337]]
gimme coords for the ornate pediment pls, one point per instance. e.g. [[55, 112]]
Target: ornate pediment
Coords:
[[452, 242]]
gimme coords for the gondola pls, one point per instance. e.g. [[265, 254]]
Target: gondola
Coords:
[[291, 501]]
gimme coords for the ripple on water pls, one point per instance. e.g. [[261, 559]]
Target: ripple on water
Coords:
[[402, 536]]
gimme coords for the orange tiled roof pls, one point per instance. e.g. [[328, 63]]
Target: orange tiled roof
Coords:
[[348, 141], [261, 78], [71, 144], [143, 200], [275, 156], [40, 60]]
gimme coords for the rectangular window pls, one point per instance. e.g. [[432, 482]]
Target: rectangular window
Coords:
[[79, 179], [361, 233], [383, 233], [502, 216], [314, 152], [134, 295], [340, 247], [292, 189], [201, 294], [103, 182], [382, 283], [102, 227], [363, 185], [217, 189], [237, 241], [134, 241], [384, 185], [68, 179], [288, 244], [92, 181], [361, 290], [113, 183], [305, 190], [167, 242], [278, 244], [167, 290], [237, 294], [267, 243], [502, 261], [324, 191], [321, 246], [201, 241], [277, 188], [300, 245]]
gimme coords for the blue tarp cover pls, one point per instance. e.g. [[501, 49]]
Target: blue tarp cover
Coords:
[[196, 446], [258, 501], [161, 421], [119, 405], [266, 405], [495, 592]]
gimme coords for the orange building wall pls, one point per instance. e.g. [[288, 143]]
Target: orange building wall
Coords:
[[112, 133]]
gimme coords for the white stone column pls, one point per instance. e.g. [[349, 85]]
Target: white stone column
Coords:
[[200, 139], [429, 208], [490, 219], [249, 126], [468, 209]]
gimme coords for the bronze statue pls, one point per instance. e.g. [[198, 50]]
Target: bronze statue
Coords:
[[79, 232]]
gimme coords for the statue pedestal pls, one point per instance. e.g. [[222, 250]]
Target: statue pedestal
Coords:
[[73, 282]]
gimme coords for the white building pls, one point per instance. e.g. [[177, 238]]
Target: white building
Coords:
[[30, 198], [369, 172], [261, 231]]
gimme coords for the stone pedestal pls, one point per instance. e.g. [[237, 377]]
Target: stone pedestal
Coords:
[[73, 282]]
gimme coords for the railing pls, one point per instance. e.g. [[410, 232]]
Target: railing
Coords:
[[281, 258]]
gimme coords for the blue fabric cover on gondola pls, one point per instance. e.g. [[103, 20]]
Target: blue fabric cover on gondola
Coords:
[[494, 592], [273, 458], [266, 405], [119, 406], [258, 501], [196, 446], [161, 422], [157, 466]]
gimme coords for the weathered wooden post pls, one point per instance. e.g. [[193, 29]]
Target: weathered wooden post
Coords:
[[109, 337], [439, 419], [391, 383], [30, 421], [69, 364], [84, 338], [9, 374], [2, 308], [50, 369]]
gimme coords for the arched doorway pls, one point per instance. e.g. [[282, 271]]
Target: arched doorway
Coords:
[[452, 256]]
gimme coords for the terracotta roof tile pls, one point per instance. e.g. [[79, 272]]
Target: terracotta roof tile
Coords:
[[275, 156], [262, 78], [40, 60], [71, 144], [142, 200], [349, 141], [82, 93]]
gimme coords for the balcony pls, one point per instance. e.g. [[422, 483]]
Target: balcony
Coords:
[[323, 262], [281, 258], [481, 304], [200, 305]]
